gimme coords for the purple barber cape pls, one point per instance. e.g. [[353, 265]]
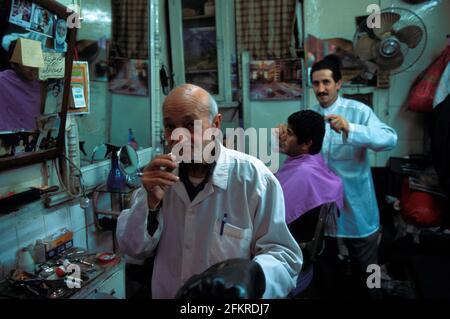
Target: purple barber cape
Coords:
[[307, 183], [20, 102]]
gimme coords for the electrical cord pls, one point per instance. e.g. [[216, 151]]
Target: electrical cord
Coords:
[[84, 203], [82, 191]]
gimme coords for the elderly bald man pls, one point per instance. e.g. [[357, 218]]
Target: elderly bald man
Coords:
[[207, 211]]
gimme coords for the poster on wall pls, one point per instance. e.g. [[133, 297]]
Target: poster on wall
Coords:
[[128, 76], [60, 43], [21, 13], [42, 21], [80, 89], [276, 79]]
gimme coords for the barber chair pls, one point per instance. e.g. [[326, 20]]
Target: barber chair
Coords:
[[230, 279], [308, 230]]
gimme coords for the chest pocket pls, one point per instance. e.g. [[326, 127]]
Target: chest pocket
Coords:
[[234, 242], [341, 151]]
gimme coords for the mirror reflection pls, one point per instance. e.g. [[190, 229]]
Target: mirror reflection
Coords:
[[129, 163], [115, 116], [33, 45]]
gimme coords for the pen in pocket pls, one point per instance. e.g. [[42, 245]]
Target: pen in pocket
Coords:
[[224, 220]]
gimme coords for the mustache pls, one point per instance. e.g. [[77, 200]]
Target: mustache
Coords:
[[322, 94]]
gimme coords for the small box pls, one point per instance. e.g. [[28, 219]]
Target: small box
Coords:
[[59, 249], [57, 239]]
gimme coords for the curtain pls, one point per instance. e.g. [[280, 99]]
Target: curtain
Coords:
[[265, 28], [130, 29]]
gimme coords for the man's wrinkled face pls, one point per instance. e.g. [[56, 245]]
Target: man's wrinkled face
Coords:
[[325, 88], [192, 122]]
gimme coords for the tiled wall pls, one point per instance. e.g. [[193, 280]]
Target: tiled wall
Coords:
[[18, 230], [22, 228]]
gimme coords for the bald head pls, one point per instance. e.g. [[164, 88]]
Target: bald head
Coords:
[[191, 98]]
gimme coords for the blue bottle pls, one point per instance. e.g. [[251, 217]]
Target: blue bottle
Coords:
[[116, 178]]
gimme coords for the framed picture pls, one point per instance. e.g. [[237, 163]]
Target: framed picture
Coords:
[[20, 14], [276, 79], [42, 21], [128, 76], [200, 49], [60, 43], [80, 89]]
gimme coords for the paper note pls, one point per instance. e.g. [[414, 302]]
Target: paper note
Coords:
[[54, 66]]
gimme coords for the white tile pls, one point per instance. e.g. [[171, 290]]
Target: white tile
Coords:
[[9, 246], [79, 239], [29, 229], [57, 220], [77, 219]]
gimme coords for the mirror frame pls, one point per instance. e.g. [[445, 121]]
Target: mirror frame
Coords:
[[50, 154]]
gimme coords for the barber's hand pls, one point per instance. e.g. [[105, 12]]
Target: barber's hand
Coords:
[[230, 279], [338, 123], [158, 178]]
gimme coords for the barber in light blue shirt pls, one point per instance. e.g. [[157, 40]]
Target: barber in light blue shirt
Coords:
[[353, 129]]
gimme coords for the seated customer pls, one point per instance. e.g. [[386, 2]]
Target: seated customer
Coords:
[[306, 181], [20, 92]]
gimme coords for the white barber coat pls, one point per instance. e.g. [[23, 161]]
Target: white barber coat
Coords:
[[189, 235]]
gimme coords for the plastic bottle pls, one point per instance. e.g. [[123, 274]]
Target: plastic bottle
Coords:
[[39, 251], [25, 261], [116, 178]]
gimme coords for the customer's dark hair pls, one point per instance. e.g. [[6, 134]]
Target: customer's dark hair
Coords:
[[330, 62], [308, 126]]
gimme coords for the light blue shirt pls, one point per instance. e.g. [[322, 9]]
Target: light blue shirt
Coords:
[[349, 159]]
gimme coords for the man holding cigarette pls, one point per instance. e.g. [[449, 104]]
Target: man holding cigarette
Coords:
[[212, 204]]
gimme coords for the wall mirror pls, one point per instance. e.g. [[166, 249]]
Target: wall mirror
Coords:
[[118, 60], [36, 55]]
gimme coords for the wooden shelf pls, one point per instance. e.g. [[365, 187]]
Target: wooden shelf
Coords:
[[201, 71], [198, 18]]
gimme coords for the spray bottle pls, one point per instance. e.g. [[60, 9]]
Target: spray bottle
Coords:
[[116, 178]]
